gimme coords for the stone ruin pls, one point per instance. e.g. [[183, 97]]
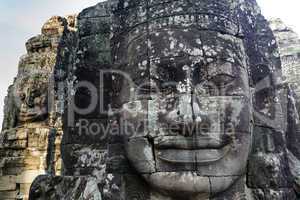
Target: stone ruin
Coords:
[[32, 126], [289, 47], [158, 100]]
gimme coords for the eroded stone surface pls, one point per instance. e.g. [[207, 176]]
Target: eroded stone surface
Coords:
[[289, 47], [206, 116], [68, 188], [32, 127]]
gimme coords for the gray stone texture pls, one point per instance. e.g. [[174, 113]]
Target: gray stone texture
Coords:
[[289, 48], [211, 117], [32, 127]]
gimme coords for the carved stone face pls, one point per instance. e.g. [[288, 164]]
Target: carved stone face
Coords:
[[188, 126], [31, 93]]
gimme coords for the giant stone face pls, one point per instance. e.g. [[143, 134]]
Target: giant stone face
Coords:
[[31, 96], [187, 120]]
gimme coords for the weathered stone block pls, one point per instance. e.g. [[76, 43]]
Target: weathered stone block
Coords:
[[94, 20], [83, 156], [139, 149], [8, 183], [88, 131], [15, 134], [27, 176], [8, 195], [16, 144], [53, 188], [117, 161]]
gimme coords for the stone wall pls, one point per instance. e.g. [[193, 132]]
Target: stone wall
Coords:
[[89, 53], [289, 47]]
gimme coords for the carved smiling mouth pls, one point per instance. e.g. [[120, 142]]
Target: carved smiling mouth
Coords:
[[190, 150], [28, 116], [31, 114]]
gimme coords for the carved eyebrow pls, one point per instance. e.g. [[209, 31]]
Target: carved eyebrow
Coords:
[[234, 59]]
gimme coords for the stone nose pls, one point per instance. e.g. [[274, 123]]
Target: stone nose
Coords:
[[29, 99], [187, 118]]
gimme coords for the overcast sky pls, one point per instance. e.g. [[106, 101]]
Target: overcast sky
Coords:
[[22, 19]]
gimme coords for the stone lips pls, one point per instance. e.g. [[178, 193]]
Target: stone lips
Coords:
[[201, 157], [179, 142], [200, 150]]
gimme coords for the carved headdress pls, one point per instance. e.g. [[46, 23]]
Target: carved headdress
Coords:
[[148, 15]]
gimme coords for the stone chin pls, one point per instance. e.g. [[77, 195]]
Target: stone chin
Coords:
[[189, 184], [33, 115], [209, 178]]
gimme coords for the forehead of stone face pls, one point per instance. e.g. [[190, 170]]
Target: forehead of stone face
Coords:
[[42, 62], [167, 51], [223, 46], [37, 82], [211, 13]]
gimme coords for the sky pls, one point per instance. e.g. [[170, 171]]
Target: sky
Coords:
[[22, 19]]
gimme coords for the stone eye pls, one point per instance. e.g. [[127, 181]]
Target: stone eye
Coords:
[[222, 79], [168, 90], [22, 96]]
